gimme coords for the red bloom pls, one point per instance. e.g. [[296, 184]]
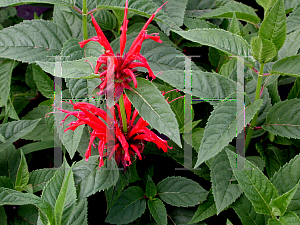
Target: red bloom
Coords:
[[126, 145], [123, 64]]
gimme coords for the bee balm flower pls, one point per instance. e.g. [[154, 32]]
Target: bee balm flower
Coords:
[[123, 63]]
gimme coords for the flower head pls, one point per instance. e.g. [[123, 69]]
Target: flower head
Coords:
[[123, 63], [125, 145]]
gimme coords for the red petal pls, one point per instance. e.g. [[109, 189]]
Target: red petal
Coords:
[[88, 151], [102, 39], [124, 29], [134, 148], [131, 74]]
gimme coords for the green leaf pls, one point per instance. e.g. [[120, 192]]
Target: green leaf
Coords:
[[231, 44], [12, 197], [105, 19], [286, 219], [258, 189], [245, 210], [79, 214], [206, 85], [67, 194], [234, 25], [7, 13], [43, 82], [36, 146], [129, 206], [12, 131], [141, 7], [257, 161], [152, 106], [197, 135], [283, 119], [27, 214], [266, 4], [158, 211], [224, 117], [151, 189], [287, 66], [262, 49], [6, 182], [60, 193], [291, 45], [196, 23], [287, 178], [224, 192], [33, 40], [280, 204], [3, 216], [295, 91], [22, 175], [9, 162], [273, 28], [292, 22], [180, 191], [39, 178], [187, 127], [6, 68], [5, 3], [92, 179], [243, 12], [205, 210], [74, 69]]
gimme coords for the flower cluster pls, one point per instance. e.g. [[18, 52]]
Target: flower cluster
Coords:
[[125, 145], [123, 65]]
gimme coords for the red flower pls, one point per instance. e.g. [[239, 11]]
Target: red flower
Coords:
[[123, 64], [126, 145]]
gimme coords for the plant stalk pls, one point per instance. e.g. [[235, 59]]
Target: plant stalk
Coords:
[[257, 96], [84, 19], [123, 113]]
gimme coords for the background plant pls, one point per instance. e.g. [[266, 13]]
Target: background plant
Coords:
[[152, 191]]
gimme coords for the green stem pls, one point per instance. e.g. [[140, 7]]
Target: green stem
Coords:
[[123, 114], [84, 20], [257, 96], [24, 94]]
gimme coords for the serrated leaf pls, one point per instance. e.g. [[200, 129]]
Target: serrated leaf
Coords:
[[151, 105], [243, 12], [221, 127], [205, 210], [60, 193], [9, 162], [292, 21], [33, 40], [195, 140], [6, 68], [129, 206], [197, 23], [151, 189], [222, 40], [206, 85], [79, 214], [39, 178], [257, 161], [27, 214], [245, 210], [43, 82], [266, 4], [92, 179], [6, 182], [288, 218], [22, 174], [3, 216], [36, 146], [295, 91], [12, 197], [12, 131], [75, 69], [141, 7], [280, 204], [291, 45], [158, 211], [105, 19], [5, 3], [234, 25], [273, 28], [287, 66], [286, 179], [180, 191], [262, 49], [256, 186], [224, 192], [67, 194], [283, 119]]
